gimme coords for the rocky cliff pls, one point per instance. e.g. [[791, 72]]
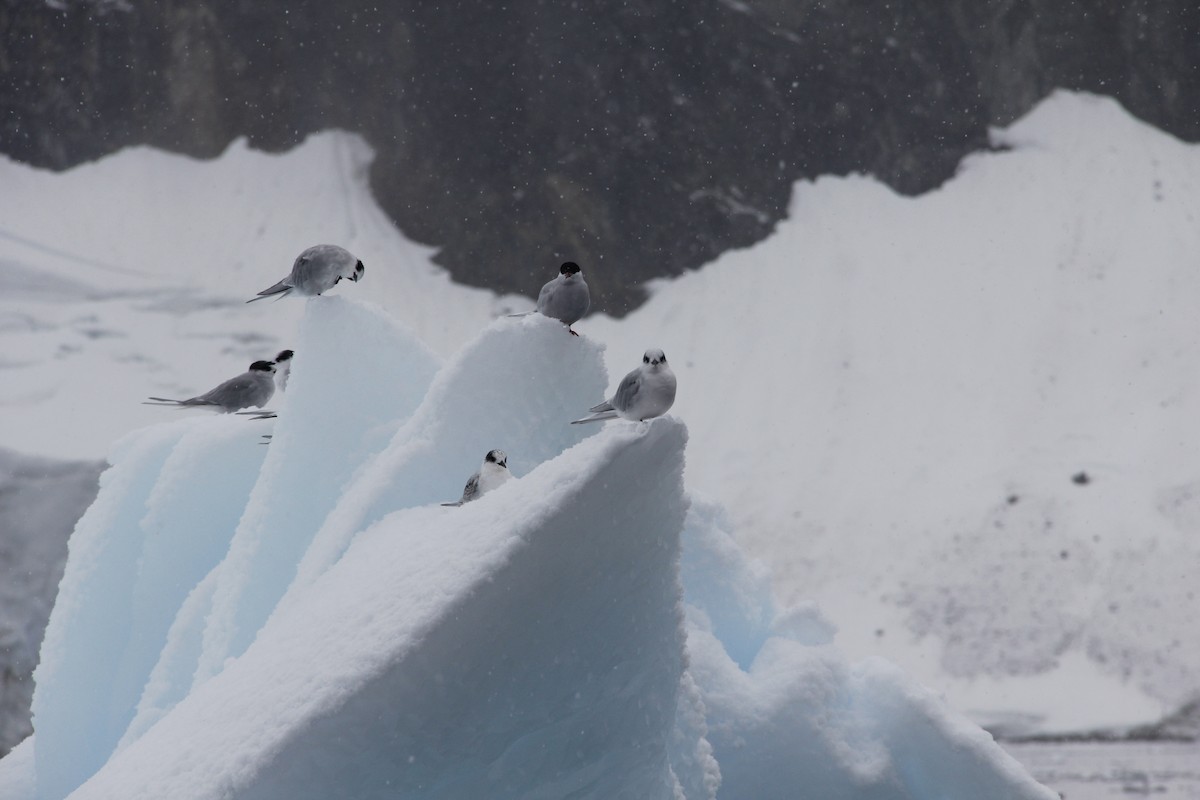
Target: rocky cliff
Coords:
[[640, 138]]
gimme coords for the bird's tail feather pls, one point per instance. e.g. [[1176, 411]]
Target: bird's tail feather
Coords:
[[522, 314], [281, 289], [459, 503], [605, 406], [166, 401], [596, 417]]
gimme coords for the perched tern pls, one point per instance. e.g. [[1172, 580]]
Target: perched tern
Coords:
[[283, 368], [254, 387], [645, 393], [315, 271], [493, 473], [566, 298]]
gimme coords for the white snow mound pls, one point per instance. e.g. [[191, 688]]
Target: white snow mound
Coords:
[[305, 619], [965, 423]]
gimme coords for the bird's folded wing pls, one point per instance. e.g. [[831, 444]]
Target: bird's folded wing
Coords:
[[471, 489], [627, 392]]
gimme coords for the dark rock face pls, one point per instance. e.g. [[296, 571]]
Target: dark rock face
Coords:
[[638, 138]]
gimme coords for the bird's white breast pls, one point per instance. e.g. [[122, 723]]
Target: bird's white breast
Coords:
[[656, 396], [491, 476]]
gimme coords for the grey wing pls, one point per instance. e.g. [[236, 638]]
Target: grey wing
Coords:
[[583, 299], [627, 392], [566, 302], [317, 270], [240, 392], [307, 273], [471, 489], [546, 295]]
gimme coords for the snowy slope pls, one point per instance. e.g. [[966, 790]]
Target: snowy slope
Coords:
[[957, 427], [895, 397], [457, 653], [202, 493], [533, 643]]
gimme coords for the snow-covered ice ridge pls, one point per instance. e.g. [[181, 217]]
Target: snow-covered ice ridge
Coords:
[[892, 394], [305, 620]]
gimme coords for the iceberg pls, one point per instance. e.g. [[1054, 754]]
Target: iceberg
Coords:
[[503, 649], [934, 368], [369, 374], [304, 619]]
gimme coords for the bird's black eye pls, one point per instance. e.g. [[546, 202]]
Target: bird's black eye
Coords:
[[359, 267], [645, 359]]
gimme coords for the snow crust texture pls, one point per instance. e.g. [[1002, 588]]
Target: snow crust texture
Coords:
[[536, 642]]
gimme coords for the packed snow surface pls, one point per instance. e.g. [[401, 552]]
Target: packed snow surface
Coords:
[[966, 424], [958, 428], [536, 642]]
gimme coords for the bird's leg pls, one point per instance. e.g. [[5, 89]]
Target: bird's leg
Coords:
[[573, 333]]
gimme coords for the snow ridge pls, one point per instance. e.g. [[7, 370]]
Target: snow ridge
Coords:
[[536, 642], [450, 614]]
